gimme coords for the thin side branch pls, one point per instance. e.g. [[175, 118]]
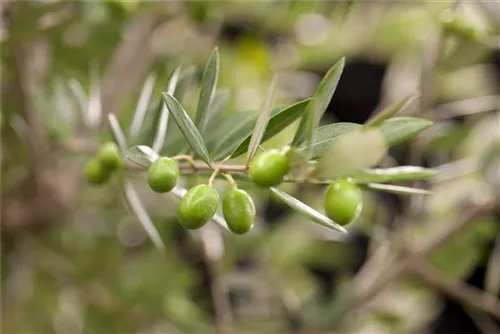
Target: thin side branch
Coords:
[[462, 292], [396, 266], [200, 166], [463, 221], [212, 249]]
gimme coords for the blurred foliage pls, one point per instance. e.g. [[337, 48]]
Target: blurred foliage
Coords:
[[94, 270]]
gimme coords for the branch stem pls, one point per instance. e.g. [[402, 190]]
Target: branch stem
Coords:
[[462, 292]]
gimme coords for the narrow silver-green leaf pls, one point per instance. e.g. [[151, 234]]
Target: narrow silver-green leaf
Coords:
[[219, 102], [262, 121], [117, 132], [324, 135], [400, 173], [161, 130], [207, 90], [94, 105], [380, 117], [317, 106], [174, 80], [276, 124], [351, 153], [80, 96], [307, 211], [141, 107], [137, 208], [141, 155], [186, 78], [399, 129], [399, 190], [187, 127], [230, 133]]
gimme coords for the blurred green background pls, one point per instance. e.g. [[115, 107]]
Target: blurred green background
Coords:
[[76, 260]]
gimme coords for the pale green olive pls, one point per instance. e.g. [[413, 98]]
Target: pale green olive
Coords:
[[268, 168], [343, 201], [163, 175], [198, 206], [110, 156], [239, 211], [95, 173]]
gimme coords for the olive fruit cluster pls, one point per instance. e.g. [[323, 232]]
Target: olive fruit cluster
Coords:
[[200, 204], [107, 160], [343, 201]]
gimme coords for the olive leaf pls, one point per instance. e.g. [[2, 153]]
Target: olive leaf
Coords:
[[230, 132], [136, 206], [185, 80], [400, 173], [262, 120], [350, 153], [317, 106], [219, 102], [399, 129], [94, 105], [279, 121], [380, 117], [142, 106], [187, 127], [79, 95], [207, 90], [131, 197], [141, 155], [117, 132], [161, 130], [307, 211], [324, 135], [399, 190], [174, 80]]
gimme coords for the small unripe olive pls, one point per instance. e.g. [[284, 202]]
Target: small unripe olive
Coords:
[[456, 25], [110, 156], [198, 206], [268, 168], [95, 173], [343, 201], [163, 175], [239, 211]]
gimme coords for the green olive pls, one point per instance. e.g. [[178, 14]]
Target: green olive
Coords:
[[95, 173], [239, 211], [163, 175], [268, 168], [456, 25], [343, 201], [198, 206], [110, 156]]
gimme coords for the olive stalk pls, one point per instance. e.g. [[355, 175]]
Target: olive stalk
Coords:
[[202, 166], [193, 166]]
